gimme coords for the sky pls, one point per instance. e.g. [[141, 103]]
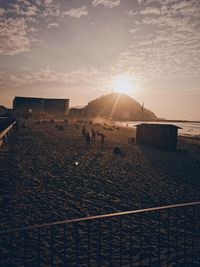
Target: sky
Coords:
[[76, 48]]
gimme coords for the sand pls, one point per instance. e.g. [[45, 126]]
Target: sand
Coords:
[[50, 175]]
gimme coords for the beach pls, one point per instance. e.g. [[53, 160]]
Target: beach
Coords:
[[50, 174]]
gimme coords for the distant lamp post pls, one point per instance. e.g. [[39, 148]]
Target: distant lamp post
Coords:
[[142, 112]]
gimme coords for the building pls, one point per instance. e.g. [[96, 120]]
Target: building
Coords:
[[41, 105], [162, 136], [76, 112]]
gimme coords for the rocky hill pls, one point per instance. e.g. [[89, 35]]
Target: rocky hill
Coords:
[[117, 107]]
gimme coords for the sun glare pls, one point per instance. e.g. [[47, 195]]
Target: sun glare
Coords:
[[123, 83]]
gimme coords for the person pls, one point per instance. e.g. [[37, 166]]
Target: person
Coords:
[[102, 140], [83, 132], [88, 138], [93, 135]]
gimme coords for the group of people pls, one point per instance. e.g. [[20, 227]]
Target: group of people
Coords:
[[90, 136]]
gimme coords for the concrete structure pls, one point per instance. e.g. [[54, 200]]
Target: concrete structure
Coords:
[[76, 112], [41, 105], [162, 136]]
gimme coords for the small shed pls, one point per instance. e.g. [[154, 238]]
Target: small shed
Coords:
[[162, 136]]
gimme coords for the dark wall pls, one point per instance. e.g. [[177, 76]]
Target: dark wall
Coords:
[[160, 137], [76, 112], [24, 104], [56, 105]]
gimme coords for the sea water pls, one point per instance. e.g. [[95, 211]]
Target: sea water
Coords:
[[186, 128]]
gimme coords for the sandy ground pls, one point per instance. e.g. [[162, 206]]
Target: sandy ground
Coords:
[[40, 181]]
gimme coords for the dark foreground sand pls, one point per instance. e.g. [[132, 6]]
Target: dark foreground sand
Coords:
[[40, 181], [47, 174]]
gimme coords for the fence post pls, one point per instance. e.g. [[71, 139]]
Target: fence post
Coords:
[[150, 230], [193, 234], [110, 240], [140, 237], [77, 243], [65, 247], [39, 245], [159, 243], [25, 247], [52, 246], [120, 241], [88, 242], [11, 247], [99, 236], [168, 236], [131, 240]]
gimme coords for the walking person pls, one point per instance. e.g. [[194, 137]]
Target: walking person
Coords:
[[88, 138], [102, 140], [93, 133], [83, 132]]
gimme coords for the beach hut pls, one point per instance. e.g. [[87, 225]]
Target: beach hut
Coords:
[[162, 136]]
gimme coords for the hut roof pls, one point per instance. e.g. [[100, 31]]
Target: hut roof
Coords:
[[157, 125]]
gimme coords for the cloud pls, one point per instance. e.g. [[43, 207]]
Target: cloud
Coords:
[[84, 75], [131, 12], [53, 25], [17, 27], [164, 34], [76, 12], [139, 2], [106, 3], [87, 83], [2, 11], [150, 11], [165, 40], [19, 23], [50, 9], [14, 36], [4, 79], [22, 9]]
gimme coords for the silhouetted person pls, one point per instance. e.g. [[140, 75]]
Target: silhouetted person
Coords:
[[83, 132], [102, 140], [88, 139], [93, 135]]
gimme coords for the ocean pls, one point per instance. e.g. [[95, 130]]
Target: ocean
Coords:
[[190, 129]]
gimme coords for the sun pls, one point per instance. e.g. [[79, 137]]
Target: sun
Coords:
[[123, 83]]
